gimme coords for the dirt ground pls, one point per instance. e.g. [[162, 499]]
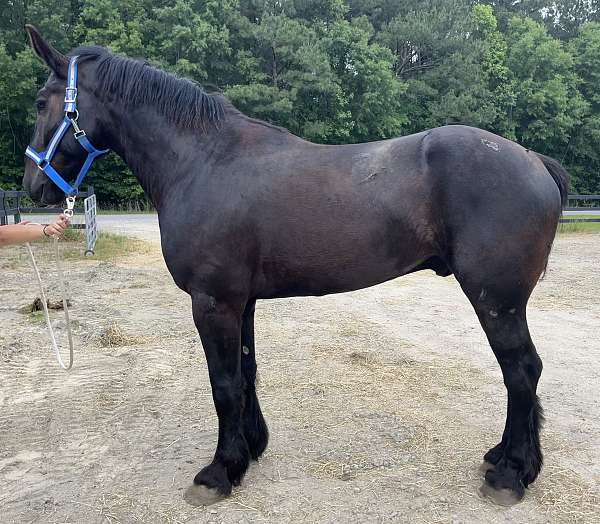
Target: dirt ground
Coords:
[[381, 403]]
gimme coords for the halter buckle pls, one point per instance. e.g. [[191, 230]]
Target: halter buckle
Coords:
[[70, 95]]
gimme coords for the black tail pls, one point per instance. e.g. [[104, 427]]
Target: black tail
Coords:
[[562, 179], [560, 176]]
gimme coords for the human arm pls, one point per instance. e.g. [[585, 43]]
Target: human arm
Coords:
[[27, 232]]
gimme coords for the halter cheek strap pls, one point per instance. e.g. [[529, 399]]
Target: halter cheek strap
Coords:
[[43, 159]]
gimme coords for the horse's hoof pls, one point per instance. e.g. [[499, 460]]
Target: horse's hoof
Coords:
[[502, 497], [485, 467], [200, 495]]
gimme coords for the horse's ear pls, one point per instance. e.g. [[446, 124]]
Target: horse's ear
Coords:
[[56, 61]]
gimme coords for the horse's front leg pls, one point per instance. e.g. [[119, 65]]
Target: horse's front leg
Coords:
[[255, 427], [219, 325]]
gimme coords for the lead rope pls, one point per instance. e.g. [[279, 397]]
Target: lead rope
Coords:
[[61, 278], [69, 212]]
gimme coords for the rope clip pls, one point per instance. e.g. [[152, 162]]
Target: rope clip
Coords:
[[70, 205]]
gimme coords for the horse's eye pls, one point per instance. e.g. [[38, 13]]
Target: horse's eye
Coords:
[[40, 105]]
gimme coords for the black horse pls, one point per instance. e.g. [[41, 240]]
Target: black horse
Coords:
[[249, 211]]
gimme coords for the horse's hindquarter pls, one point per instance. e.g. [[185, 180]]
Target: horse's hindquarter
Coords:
[[498, 204]]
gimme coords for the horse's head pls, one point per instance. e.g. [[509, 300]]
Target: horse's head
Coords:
[[70, 155]]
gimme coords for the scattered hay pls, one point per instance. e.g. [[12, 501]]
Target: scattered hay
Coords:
[[364, 358], [115, 336], [140, 285], [8, 349], [565, 493]]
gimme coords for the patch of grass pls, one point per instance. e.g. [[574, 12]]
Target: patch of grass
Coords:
[[37, 317], [73, 235], [109, 246], [582, 215], [579, 226]]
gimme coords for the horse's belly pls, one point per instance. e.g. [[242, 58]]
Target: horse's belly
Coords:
[[325, 272]]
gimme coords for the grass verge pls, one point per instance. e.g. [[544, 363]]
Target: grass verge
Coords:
[[109, 246], [580, 226]]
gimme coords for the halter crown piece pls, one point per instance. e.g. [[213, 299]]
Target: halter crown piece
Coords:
[[42, 160]]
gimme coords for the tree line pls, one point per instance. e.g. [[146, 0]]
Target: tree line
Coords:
[[337, 71]]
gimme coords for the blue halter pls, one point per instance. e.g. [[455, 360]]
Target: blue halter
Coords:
[[42, 160]]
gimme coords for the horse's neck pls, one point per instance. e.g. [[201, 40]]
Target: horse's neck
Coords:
[[158, 152]]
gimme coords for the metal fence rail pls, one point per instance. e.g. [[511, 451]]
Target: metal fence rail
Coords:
[[9, 205], [11, 200], [91, 226], [590, 203]]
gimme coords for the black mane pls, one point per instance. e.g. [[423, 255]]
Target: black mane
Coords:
[[182, 101]]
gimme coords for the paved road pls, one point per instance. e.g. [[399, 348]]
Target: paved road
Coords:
[[583, 212], [140, 226]]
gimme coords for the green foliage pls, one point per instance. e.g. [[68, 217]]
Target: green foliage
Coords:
[[549, 107], [498, 76], [569, 15], [370, 91], [583, 155], [336, 71], [504, 10], [441, 57], [18, 85]]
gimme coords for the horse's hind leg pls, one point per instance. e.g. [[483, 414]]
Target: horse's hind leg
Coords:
[[518, 459], [254, 424], [500, 303]]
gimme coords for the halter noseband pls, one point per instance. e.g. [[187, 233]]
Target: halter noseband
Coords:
[[42, 160]]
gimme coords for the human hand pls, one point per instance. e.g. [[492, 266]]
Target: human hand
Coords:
[[57, 228]]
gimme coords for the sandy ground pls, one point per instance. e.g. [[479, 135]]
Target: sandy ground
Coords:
[[381, 403]]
